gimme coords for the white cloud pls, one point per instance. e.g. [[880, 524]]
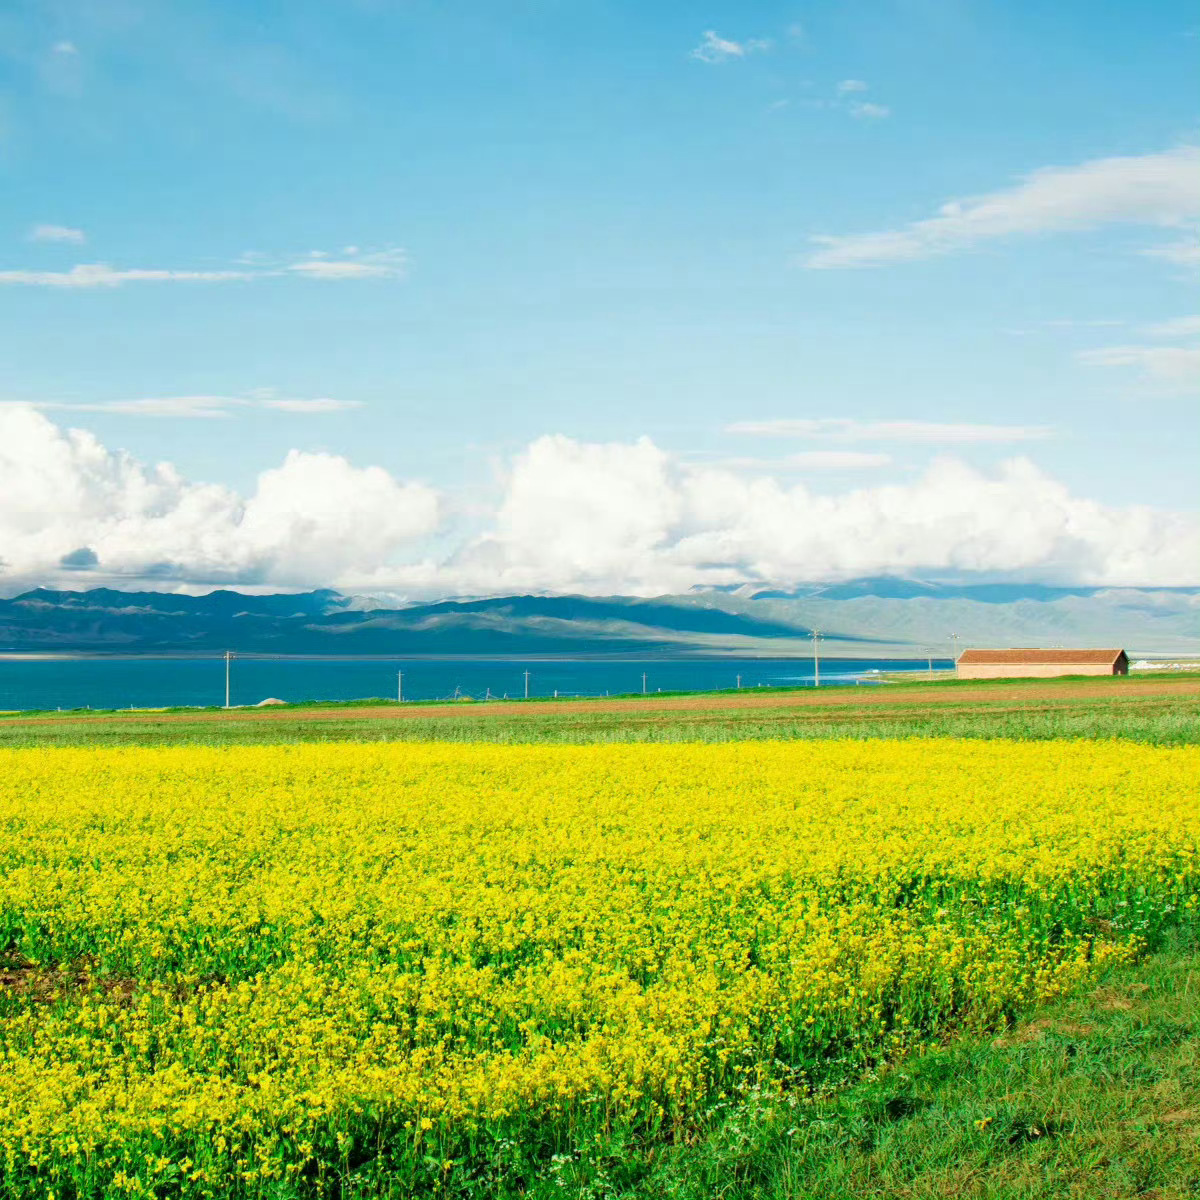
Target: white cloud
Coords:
[[714, 49], [56, 233], [838, 460], [313, 519], [1185, 253], [66, 48], [205, 407], [571, 516], [851, 85], [1174, 366], [100, 275], [1177, 327], [1153, 189], [847, 429], [808, 460], [158, 406], [351, 263], [383, 264], [870, 112], [322, 404], [630, 518]]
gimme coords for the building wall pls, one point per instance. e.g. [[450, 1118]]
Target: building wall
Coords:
[[1030, 671]]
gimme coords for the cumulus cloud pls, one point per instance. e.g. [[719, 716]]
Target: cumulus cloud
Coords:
[[847, 429], [570, 516], [631, 518], [1152, 189], [66, 497], [715, 49], [56, 233]]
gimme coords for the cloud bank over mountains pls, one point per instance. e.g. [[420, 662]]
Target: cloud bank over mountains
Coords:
[[569, 516]]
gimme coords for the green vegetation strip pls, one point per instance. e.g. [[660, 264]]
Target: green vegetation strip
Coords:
[[1155, 719], [1095, 1097]]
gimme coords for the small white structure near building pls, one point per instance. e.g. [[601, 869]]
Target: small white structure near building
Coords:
[[1035, 663]]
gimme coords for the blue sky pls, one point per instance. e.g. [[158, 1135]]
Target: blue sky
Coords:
[[428, 238]]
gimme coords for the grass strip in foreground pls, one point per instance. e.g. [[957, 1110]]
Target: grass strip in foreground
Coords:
[[1095, 1097]]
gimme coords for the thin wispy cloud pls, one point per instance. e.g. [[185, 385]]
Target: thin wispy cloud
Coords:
[[716, 49], [56, 233], [101, 275], [847, 429], [1178, 327], [1175, 367], [1152, 189], [348, 264], [867, 111], [1183, 253], [322, 404], [851, 85], [351, 264], [205, 407]]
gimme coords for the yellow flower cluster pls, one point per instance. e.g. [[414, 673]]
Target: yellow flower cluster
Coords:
[[228, 969]]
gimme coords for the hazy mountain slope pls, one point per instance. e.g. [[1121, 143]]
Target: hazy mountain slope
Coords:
[[870, 617]]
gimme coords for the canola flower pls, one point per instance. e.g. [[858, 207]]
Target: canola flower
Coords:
[[244, 970]]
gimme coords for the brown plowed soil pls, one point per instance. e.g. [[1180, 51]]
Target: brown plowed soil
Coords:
[[1009, 695]]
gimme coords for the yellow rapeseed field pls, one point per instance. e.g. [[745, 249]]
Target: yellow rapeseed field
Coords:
[[253, 969]]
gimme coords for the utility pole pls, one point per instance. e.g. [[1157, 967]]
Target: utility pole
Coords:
[[643, 683], [930, 664], [526, 685], [954, 651], [739, 683], [399, 687], [228, 660], [816, 637]]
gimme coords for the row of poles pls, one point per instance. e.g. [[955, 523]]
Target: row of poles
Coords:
[[816, 635]]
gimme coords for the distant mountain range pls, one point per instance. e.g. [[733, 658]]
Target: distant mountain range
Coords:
[[861, 618]]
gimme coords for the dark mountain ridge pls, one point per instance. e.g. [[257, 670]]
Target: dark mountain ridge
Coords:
[[866, 617]]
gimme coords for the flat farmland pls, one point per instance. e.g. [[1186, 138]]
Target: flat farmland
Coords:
[[653, 947], [1148, 708]]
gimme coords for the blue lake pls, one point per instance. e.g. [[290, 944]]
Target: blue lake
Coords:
[[50, 683]]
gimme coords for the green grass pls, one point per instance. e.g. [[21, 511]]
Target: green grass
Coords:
[[1156, 719], [1095, 1097]]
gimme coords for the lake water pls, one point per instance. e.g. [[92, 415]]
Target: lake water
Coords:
[[50, 683]]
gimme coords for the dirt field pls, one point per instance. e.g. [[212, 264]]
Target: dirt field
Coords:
[[1001, 693]]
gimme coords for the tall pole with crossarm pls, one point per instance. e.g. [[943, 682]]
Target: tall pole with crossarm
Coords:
[[816, 637], [228, 660]]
